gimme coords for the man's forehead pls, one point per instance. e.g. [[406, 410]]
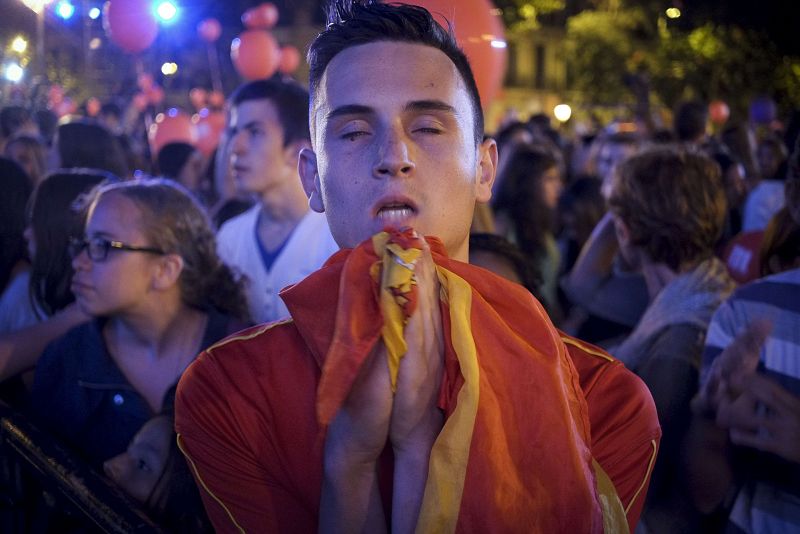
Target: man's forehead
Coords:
[[375, 71]]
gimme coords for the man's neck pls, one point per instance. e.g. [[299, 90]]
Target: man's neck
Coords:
[[283, 205]]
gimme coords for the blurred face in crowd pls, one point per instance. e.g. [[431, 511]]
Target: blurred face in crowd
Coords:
[[121, 283], [260, 161], [394, 145], [193, 170], [138, 469], [551, 187]]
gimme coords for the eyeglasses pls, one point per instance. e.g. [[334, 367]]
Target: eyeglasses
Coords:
[[98, 248]]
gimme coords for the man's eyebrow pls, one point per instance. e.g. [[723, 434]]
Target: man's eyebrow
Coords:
[[430, 105], [350, 109]]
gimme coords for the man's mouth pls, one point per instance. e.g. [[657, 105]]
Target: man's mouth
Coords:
[[396, 213]]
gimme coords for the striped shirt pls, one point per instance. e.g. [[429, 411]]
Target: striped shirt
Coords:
[[760, 507]]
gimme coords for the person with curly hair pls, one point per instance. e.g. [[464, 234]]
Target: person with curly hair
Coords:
[[147, 271]]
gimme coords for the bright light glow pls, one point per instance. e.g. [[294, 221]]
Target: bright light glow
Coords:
[[562, 112], [95, 43], [166, 11], [673, 12], [168, 69], [14, 72], [65, 10], [37, 6], [19, 44], [497, 43], [94, 13]]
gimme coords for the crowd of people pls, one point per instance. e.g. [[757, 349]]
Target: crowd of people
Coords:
[[632, 305]]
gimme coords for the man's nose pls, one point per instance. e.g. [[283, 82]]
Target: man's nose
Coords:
[[116, 468], [238, 143], [393, 159]]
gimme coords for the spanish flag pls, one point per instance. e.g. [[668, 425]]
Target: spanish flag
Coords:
[[513, 455]]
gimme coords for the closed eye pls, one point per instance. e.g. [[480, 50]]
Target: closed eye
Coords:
[[352, 136]]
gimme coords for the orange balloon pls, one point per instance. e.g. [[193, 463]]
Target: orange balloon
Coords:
[[290, 59], [261, 17], [255, 54], [131, 24], [209, 30], [208, 128], [198, 97], [718, 111], [170, 127], [481, 35], [216, 99]]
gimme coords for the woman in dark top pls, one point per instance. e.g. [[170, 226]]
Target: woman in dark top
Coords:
[[148, 272]]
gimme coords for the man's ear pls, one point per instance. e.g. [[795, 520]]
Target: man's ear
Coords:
[[309, 177], [487, 168], [168, 271], [291, 152]]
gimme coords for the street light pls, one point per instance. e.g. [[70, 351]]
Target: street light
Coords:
[[19, 44], [65, 9], [14, 72], [38, 6], [673, 12]]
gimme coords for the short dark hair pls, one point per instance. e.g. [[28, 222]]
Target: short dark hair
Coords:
[[357, 22], [290, 100], [673, 203], [690, 120], [172, 157], [11, 118]]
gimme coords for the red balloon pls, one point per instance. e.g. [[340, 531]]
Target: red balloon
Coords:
[[140, 101], [92, 107], [171, 127], [209, 30], [131, 24], [718, 112], [255, 54], [261, 17], [216, 99], [208, 128], [145, 81], [481, 35], [198, 97], [155, 95], [290, 59]]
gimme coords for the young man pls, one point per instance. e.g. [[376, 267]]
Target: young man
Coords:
[[278, 241], [312, 424]]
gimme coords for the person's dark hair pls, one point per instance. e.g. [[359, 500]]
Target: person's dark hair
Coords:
[[11, 118], [672, 202], [17, 188], [520, 197], [112, 109], [583, 200], [357, 22], [172, 157], [86, 144], [792, 184], [174, 221], [502, 247], [35, 148], [54, 219], [780, 247], [290, 100], [47, 122], [775, 144], [690, 120], [175, 501], [506, 136]]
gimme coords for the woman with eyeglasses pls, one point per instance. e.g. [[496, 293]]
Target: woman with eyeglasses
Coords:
[[147, 271]]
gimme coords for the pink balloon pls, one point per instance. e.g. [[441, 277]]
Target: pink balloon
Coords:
[[131, 24], [290, 59], [261, 17], [482, 37], [208, 127], [255, 54], [171, 127], [209, 30]]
